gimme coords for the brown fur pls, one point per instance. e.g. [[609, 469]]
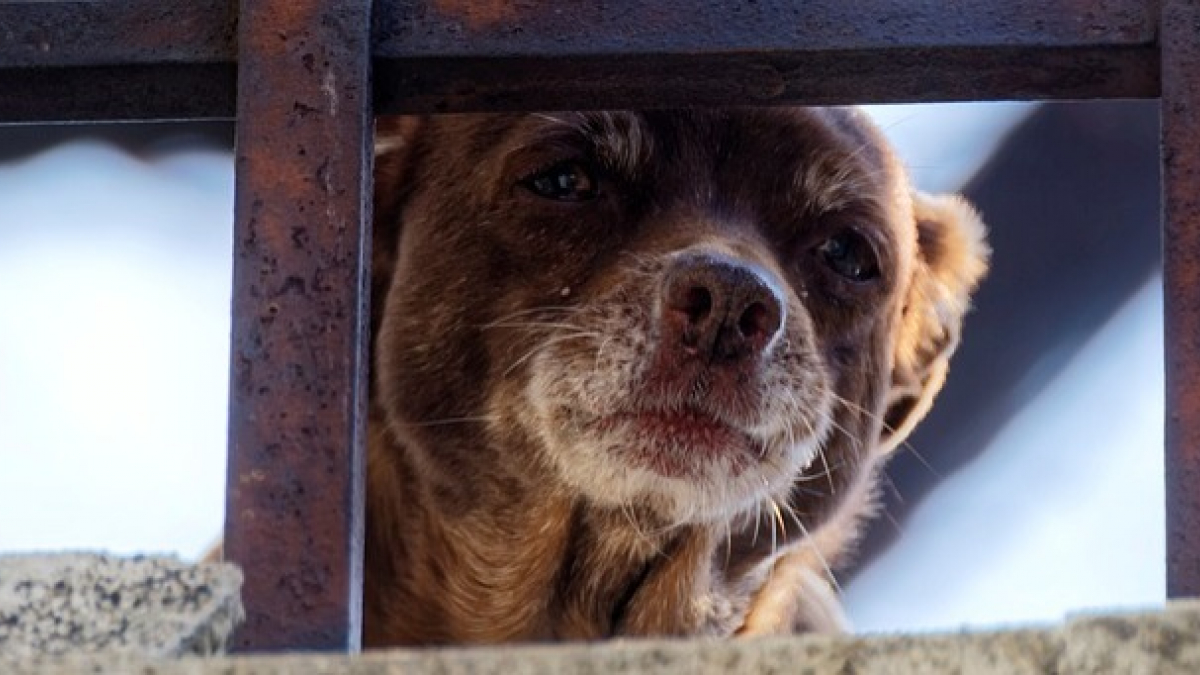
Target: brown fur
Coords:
[[525, 349]]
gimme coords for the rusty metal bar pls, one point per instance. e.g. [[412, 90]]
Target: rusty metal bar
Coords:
[[457, 55], [118, 93], [62, 33], [133, 59], [1181, 278], [294, 515], [463, 55]]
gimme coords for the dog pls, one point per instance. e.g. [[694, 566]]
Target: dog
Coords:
[[635, 373]]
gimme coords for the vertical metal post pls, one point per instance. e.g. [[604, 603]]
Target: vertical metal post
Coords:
[[294, 513], [1180, 36]]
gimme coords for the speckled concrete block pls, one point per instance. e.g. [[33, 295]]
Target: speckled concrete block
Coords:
[[1162, 643], [93, 603], [1152, 643]]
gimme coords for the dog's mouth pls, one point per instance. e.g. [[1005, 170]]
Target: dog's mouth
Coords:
[[678, 443], [710, 457]]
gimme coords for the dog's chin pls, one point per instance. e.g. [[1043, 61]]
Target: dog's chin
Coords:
[[683, 467]]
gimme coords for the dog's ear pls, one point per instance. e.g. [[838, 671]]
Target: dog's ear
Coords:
[[952, 257], [395, 138]]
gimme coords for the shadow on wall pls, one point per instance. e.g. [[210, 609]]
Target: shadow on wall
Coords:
[[1072, 200]]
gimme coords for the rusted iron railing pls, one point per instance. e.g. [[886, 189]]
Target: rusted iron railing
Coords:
[[296, 75], [298, 388]]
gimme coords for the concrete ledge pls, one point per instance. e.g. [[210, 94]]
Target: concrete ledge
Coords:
[[1156, 643], [91, 603]]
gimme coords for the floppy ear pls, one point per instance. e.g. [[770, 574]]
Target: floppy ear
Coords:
[[951, 259]]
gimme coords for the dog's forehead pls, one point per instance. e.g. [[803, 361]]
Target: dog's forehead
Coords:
[[622, 138], [832, 156]]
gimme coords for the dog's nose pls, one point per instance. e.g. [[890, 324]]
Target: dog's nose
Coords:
[[720, 308]]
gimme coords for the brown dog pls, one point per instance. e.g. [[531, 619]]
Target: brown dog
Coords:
[[635, 372]]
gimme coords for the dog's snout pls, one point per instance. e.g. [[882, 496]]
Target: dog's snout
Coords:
[[720, 307]]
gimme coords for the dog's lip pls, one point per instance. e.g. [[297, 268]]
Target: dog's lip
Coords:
[[670, 440], [681, 422]]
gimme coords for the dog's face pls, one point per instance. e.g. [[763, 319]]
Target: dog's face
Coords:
[[690, 314]]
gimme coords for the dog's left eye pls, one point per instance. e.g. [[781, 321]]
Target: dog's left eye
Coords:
[[850, 255], [565, 181]]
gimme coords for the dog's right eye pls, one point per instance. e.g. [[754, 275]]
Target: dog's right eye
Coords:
[[849, 255], [566, 181]]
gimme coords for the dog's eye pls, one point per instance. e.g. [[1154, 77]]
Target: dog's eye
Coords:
[[565, 181], [850, 255]]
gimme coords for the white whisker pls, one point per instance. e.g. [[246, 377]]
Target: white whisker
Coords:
[[457, 420], [816, 551]]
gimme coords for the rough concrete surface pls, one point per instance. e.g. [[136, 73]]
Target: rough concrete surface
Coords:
[[93, 603], [1152, 643]]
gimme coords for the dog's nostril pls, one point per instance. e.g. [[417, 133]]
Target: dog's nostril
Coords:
[[758, 322], [697, 303], [720, 307]]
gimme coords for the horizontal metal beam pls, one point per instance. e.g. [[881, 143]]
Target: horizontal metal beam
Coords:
[[459, 55], [128, 59], [816, 78], [131, 92], [57, 34]]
